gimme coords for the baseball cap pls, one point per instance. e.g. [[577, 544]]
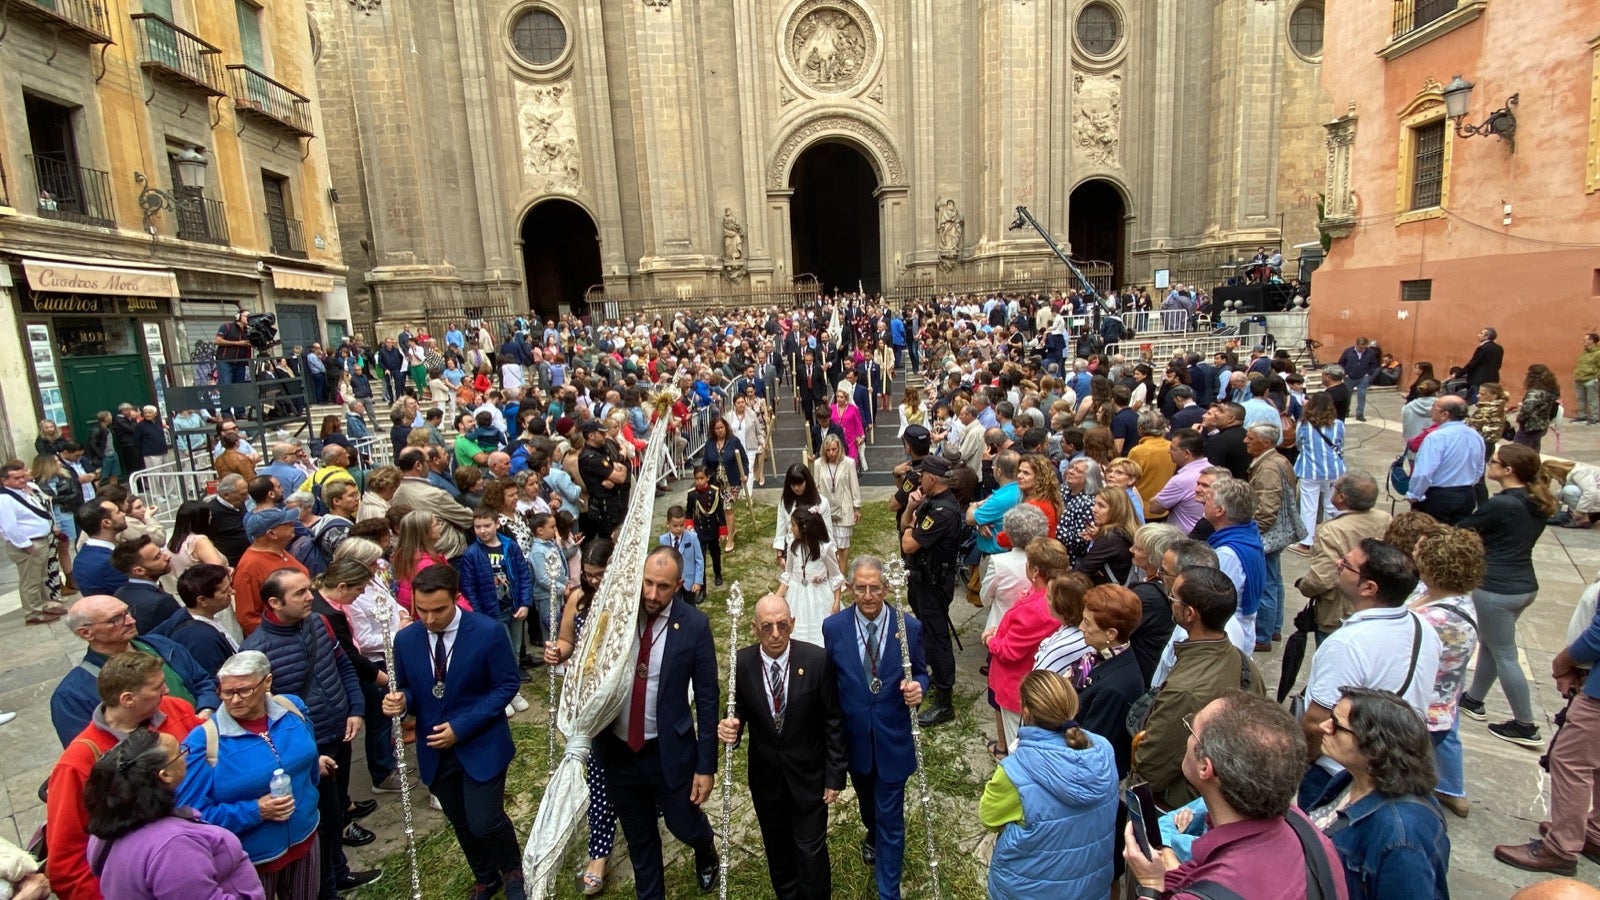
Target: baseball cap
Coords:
[[264, 520]]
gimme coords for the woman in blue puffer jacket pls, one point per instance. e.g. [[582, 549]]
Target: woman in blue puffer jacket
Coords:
[[1053, 800]]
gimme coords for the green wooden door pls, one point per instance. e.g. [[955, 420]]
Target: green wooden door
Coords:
[[93, 383], [250, 35]]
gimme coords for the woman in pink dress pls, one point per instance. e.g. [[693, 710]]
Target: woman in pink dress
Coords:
[[848, 418]]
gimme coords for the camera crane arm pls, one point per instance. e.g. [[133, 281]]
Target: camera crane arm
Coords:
[[1025, 219]]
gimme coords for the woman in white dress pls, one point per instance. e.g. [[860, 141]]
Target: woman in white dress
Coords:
[[811, 580], [745, 424], [837, 483], [799, 491]]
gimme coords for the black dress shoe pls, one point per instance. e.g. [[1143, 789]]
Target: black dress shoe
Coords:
[[719, 581], [869, 853], [354, 880], [360, 809], [706, 869], [356, 836]]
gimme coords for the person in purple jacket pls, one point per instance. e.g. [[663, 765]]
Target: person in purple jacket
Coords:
[[142, 846]]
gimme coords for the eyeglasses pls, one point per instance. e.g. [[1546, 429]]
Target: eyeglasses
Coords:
[[1344, 565], [869, 590], [1188, 724], [775, 627], [240, 693], [124, 616], [1338, 726]]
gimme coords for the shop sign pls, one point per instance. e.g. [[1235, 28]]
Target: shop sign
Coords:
[[85, 305], [59, 278]]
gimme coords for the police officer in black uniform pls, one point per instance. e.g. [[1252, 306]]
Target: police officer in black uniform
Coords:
[[930, 538], [605, 477], [917, 440]]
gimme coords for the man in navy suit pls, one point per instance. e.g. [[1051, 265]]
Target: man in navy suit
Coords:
[[456, 673], [100, 522], [785, 693], [659, 756], [864, 647], [144, 561]]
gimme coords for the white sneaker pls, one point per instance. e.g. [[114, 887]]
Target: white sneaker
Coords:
[[511, 710], [434, 802], [6, 717], [518, 703]]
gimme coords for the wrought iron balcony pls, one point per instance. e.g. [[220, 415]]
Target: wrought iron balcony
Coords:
[[82, 20], [72, 193], [172, 53], [286, 237], [1409, 15], [257, 96], [201, 219]]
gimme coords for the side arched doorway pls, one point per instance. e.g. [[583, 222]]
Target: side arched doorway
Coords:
[[833, 218], [560, 257], [1096, 225]]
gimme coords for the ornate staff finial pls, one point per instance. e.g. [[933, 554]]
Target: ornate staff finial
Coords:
[[552, 569], [894, 572], [735, 609]]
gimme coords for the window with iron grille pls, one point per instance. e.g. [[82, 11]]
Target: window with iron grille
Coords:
[[1099, 29], [1427, 164], [1305, 29], [1420, 289], [539, 37]]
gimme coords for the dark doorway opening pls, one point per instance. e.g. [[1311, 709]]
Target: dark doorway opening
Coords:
[[834, 218], [561, 256], [1096, 226]]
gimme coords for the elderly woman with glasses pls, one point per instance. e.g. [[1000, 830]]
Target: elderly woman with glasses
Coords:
[[1078, 489], [143, 845], [232, 761]]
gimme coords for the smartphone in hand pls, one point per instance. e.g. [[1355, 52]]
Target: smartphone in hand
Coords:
[[1144, 816]]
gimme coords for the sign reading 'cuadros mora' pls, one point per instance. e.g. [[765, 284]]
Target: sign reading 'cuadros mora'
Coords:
[[106, 281]]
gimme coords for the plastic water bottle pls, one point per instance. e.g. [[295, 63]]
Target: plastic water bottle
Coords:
[[279, 786]]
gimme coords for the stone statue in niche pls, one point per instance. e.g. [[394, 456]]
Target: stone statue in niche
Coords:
[[550, 156], [829, 49], [949, 228], [1097, 116], [732, 236]]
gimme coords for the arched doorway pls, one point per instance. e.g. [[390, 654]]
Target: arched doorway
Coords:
[[833, 218], [560, 256], [1095, 225]]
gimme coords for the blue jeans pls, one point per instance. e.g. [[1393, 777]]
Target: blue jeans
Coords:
[[1269, 618], [1360, 385], [1448, 760], [231, 371], [65, 524], [378, 736]]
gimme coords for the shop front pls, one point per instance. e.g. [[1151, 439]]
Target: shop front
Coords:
[[96, 336]]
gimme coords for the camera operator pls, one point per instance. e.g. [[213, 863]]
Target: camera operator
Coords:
[[233, 350]]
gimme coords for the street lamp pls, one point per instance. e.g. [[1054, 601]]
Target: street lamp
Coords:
[[1500, 123], [191, 165], [191, 182]]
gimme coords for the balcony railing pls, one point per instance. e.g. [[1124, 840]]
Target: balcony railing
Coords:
[[169, 51], [286, 236], [84, 20], [201, 219], [256, 95], [1409, 15], [72, 193]]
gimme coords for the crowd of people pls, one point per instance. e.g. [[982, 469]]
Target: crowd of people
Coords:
[[1122, 519]]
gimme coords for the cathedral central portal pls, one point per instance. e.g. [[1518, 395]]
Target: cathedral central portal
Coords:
[[834, 218]]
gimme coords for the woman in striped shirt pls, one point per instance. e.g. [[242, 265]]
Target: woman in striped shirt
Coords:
[[1320, 438]]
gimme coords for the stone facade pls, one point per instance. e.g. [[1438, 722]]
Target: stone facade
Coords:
[[665, 120]]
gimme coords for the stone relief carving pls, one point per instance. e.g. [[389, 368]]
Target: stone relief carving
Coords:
[[1339, 200], [893, 172], [876, 94], [366, 7], [785, 96], [949, 227], [831, 44], [1097, 115], [732, 247], [658, 4], [548, 119]]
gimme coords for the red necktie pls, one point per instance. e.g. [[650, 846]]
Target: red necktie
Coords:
[[641, 681]]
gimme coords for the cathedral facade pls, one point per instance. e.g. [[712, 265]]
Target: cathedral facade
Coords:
[[527, 154]]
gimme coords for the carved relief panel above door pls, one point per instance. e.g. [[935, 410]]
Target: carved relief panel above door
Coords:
[[830, 48]]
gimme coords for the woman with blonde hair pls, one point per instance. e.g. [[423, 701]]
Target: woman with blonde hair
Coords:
[[837, 482], [1109, 559], [1450, 565], [1036, 479], [1124, 473], [912, 411], [1055, 840], [416, 548]]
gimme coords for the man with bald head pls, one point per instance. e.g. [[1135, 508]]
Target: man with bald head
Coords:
[[107, 626], [1449, 465], [785, 695], [500, 464]]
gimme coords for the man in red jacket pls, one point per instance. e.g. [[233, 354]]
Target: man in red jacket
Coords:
[[133, 695]]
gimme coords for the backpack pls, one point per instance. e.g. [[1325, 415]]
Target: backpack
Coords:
[[307, 548], [209, 726]]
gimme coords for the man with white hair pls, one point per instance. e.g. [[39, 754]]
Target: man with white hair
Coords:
[[1230, 509]]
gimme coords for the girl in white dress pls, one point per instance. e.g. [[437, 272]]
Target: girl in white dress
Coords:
[[811, 580], [837, 483], [799, 491]]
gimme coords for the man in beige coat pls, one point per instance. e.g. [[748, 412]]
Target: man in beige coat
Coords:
[[1354, 496], [416, 493]]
